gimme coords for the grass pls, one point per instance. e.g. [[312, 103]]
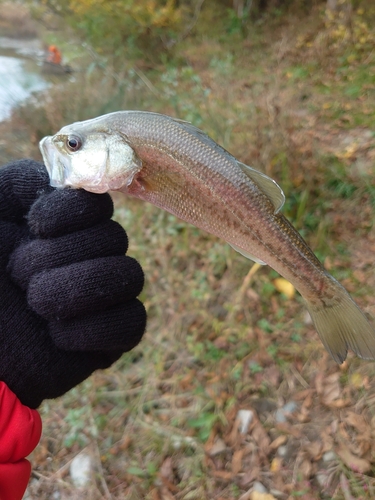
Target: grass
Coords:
[[15, 21], [292, 101]]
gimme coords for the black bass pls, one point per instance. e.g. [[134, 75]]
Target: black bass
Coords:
[[177, 167]]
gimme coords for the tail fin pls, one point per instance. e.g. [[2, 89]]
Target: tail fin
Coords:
[[342, 325]]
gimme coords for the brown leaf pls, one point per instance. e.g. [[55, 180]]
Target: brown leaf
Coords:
[[304, 394], [288, 429], [222, 474], [319, 382], [339, 403], [314, 449], [155, 494], [237, 461], [273, 375], [331, 389], [358, 422], [352, 461], [303, 415], [305, 468], [308, 399], [257, 495], [261, 437], [218, 447], [166, 495], [166, 468], [233, 436], [276, 443]]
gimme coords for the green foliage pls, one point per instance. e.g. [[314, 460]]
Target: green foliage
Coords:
[[203, 424], [118, 27]]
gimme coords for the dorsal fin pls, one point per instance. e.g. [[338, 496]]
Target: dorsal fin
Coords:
[[267, 185]]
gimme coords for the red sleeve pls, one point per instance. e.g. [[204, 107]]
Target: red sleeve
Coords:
[[20, 430]]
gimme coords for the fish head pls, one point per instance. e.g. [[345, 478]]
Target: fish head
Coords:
[[91, 158]]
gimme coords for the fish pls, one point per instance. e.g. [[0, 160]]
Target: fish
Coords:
[[177, 167]]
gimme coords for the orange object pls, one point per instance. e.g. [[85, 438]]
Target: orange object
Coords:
[[54, 55]]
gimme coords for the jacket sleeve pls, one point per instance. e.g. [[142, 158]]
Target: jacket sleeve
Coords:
[[20, 431]]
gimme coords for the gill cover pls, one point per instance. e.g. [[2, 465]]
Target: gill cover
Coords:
[[101, 163]]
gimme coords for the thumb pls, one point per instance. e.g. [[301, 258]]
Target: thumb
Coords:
[[20, 430], [20, 427], [13, 479]]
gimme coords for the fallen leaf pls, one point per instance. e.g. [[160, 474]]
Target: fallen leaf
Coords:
[[256, 495], [305, 468], [222, 474], [237, 461], [332, 391], [339, 403], [276, 443], [166, 469], [352, 461], [285, 287], [288, 429], [357, 380], [166, 495], [303, 395], [358, 422], [155, 495], [218, 447], [249, 477], [304, 415], [276, 464], [314, 449], [262, 439]]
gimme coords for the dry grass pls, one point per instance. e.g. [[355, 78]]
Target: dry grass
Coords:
[[162, 423], [15, 21]]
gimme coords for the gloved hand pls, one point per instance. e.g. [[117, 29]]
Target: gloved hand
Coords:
[[20, 430], [67, 291]]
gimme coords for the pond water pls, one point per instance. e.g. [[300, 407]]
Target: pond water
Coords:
[[20, 72]]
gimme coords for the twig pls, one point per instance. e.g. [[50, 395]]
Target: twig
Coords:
[[103, 482], [242, 291], [299, 377], [151, 87], [345, 488], [197, 11]]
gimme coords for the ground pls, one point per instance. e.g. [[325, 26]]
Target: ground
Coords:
[[297, 102]]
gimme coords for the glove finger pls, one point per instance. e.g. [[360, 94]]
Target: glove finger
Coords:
[[117, 328], [11, 235], [21, 183], [67, 210], [82, 288], [103, 240], [51, 372]]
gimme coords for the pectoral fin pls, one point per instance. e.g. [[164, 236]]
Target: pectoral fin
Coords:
[[247, 255], [267, 185]]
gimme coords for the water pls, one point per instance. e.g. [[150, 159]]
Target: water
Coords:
[[20, 73]]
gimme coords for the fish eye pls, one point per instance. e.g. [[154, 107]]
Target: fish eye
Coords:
[[73, 143]]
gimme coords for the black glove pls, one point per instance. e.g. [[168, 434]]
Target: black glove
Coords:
[[67, 291]]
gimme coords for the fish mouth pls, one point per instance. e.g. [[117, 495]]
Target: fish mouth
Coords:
[[51, 158]]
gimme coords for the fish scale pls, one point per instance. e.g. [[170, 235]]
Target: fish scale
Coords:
[[177, 167]]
